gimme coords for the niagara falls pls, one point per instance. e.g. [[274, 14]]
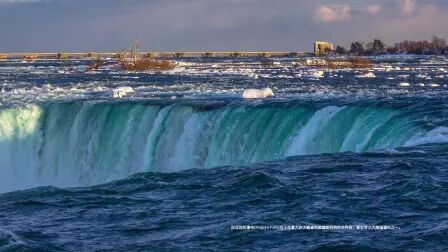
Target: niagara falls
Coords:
[[225, 125]]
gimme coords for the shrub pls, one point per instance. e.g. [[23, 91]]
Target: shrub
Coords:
[[95, 66], [132, 60], [92, 55], [236, 55], [359, 62], [146, 64], [62, 55], [264, 55], [150, 55], [120, 56], [352, 62], [179, 55], [207, 55], [30, 57]]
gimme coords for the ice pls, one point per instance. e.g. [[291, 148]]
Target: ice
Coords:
[[367, 75], [196, 78], [257, 93]]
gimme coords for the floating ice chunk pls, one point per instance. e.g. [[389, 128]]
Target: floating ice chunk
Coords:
[[182, 63], [367, 75], [437, 135], [434, 85], [315, 74], [46, 86], [257, 93], [97, 88], [388, 68], [404, 84], [255, 76], [121, 92], [421, 76], [421, 84]]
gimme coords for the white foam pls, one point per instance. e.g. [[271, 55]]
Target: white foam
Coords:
[[11, 238], [306, 135], [315, 74], [437, 135]]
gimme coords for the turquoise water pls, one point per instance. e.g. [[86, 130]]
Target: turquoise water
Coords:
[[88, 143]]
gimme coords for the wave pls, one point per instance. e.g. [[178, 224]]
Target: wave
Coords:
[[85, 143], [9, 240]]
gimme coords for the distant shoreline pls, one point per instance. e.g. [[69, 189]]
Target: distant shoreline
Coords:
[[174, 55], [205, 54]]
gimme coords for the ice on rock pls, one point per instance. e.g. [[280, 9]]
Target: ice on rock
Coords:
[[121, 92]]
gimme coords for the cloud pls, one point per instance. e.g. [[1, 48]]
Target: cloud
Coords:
[[17, 1], [407, 7], [332, 13], [95, 25], [372, 9]]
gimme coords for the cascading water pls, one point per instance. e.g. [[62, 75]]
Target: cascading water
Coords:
[[83, 143]]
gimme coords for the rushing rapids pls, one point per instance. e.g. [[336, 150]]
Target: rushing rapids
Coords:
[[86, 143]]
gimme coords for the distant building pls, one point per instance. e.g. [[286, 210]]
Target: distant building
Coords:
[[321, 47]]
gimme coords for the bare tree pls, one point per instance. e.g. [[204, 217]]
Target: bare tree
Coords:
[[378, 46], [134, 49], [341, 50], [357, 48]]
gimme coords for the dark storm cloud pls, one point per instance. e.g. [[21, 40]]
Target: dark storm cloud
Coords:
[[83, 25]]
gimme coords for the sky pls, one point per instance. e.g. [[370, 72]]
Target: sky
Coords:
[[215, 25]]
